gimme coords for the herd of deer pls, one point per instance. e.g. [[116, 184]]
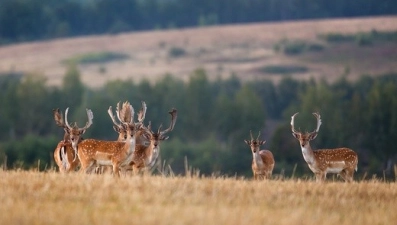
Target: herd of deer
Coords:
[[137, 147]]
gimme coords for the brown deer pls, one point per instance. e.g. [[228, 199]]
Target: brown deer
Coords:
[[262, 160], [342, 161], [145, 157], [64, 155], [124, 116], [93, 152]]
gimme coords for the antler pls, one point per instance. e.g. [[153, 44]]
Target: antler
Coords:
[[142, 113], [110, 112], [174, 115], [126, 113], [87, 125], [292, 123], [318, 122], [58, 117]]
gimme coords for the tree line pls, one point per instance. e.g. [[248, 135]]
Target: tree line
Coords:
[[27, 20], [214, 118]]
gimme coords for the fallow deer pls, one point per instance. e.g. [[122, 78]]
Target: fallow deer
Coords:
[[342, 161], [145, 157], [124, 116], [93, 152], [64, 155], [262, 160]]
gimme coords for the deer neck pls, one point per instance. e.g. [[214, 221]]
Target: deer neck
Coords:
[[130, 144], [153, 154], [308, 154], [257, 159]]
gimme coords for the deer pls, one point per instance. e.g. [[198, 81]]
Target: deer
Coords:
[[92, 152], [342, 161], [262, 160], [145, 157], [123, 116], [64, 155]]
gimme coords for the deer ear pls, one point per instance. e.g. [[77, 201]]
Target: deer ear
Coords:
[[82, 132], [262, 142], [247, 142], [295, 135], [313, 135]]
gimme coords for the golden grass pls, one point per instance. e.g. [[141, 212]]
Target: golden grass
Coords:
[[29, 197], [220, 50]]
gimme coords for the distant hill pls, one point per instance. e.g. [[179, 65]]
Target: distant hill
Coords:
[[304, 49]]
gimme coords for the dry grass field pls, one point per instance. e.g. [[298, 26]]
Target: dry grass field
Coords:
[[29, 197], [220, 50]]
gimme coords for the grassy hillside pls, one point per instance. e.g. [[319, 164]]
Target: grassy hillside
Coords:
[[29, 197], [252, 51]]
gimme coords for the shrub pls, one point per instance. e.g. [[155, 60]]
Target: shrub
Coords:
[[97, 57], [283, 69], [176, 52], [336, 37], [294, 48]]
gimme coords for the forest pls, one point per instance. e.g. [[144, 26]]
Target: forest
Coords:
[[32, 20], [214, 119]]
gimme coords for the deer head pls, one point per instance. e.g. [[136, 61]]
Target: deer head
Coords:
[[125, 115], [305, 138], [58, 117], [74, 131], [255, 143], [160, 135]]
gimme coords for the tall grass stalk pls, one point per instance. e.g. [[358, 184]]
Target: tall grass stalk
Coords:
[[31, 197]]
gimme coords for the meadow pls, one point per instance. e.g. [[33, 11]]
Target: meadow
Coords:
[[246, 50], [31, 197]]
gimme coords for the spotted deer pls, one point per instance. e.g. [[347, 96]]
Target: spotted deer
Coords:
[[342, 161], [145, 157], [262, 160], [92, 152], [124, 116], [64, 155]]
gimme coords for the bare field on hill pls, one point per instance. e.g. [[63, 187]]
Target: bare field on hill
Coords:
[[29, 197], [220, 50]]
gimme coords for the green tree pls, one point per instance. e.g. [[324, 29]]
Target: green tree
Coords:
[[382, 122], [198, 106], [72, 86], [32, 105]]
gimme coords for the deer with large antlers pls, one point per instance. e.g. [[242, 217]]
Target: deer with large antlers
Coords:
[[342, 161], [124, 116], [145, 157], [93, 152], [262, 160], [64, 155]]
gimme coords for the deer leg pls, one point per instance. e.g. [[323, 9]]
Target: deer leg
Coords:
[[116, 169], [90, 167], [135, 169], [320, 176], [347, 175], [268, 174]]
